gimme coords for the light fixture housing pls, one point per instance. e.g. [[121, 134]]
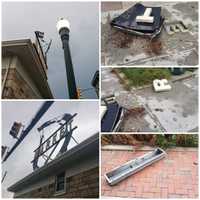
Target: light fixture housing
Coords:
[[62, 23]]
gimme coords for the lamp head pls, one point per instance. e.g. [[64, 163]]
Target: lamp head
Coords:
[[62, 23]]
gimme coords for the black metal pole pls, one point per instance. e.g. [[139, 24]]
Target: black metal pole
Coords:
[[64, 34], [4, 176]]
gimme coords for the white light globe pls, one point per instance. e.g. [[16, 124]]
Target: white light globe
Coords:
[[62, 23]]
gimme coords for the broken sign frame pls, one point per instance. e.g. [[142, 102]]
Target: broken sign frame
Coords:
[[127, 21]]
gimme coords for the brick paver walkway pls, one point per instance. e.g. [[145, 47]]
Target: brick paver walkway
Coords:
[[175, 176]]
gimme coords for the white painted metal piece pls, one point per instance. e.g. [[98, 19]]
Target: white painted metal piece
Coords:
[[182, 28], [161, 85], [117, 126], [103, 110], [175, 28], [146, 17]]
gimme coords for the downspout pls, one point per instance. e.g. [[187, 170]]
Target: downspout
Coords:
[[6, 75]]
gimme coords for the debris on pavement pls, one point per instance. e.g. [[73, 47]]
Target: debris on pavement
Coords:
[[133, 166], [173, 177], [161, 85], [175, 27], [112, 114], [140, 20], [177, 43], [175, 110]]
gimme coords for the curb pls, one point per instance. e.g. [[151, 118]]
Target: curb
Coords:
[[145, 148], [122, 79], [118, 147]]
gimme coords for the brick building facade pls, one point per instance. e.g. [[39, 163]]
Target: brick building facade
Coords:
[[74, 174], [84, 184], [16, 87]]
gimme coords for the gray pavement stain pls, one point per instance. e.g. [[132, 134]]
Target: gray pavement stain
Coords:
[[119, 48], [175, 110]]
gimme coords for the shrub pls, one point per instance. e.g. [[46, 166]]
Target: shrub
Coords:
[[181, 140]]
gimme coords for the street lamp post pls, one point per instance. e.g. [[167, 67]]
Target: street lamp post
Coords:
[[63, 28]]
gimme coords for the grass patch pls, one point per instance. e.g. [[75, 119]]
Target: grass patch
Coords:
[[144, 76]]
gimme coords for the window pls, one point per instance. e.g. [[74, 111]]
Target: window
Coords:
[[60, 182]]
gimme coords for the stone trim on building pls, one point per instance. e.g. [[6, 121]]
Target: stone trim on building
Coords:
[[16, 87], [81, 167], [82, 185]]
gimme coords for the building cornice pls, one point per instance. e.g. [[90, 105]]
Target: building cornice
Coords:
[[26, 51], [87, 150]]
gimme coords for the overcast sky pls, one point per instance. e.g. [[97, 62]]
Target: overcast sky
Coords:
[[21, 19], [18, 164]]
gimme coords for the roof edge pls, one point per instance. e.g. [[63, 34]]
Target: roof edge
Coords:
[[77, 148]]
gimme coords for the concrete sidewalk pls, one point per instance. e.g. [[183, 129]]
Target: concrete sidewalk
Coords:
[[118, 48], [175, 110], [175, 176]]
